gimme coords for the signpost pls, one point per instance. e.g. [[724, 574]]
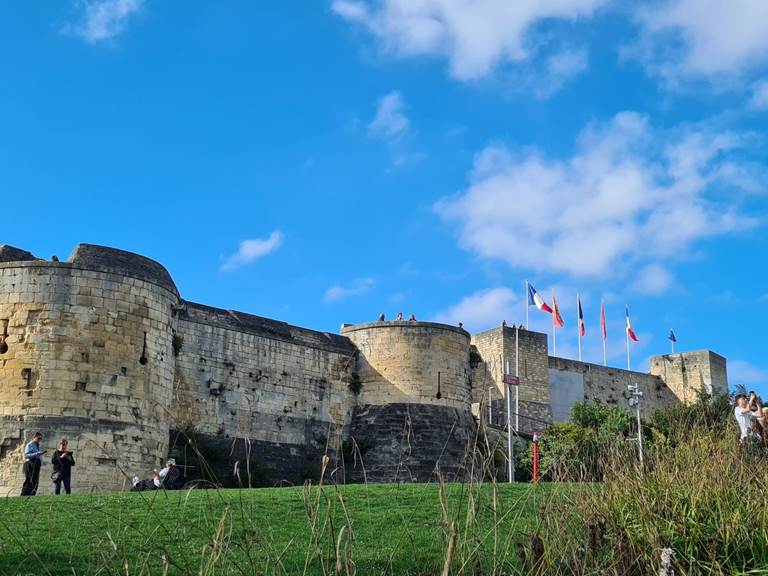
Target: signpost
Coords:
[[510, 380], [634, 400]]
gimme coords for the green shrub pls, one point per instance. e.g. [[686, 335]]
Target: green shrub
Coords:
[[578, 451], [700, 498], [355, 383]]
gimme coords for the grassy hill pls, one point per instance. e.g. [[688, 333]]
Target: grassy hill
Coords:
[[374, 529]]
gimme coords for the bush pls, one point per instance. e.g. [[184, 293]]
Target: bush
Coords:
[[355, 383], [578, 451], [700, 498], [707, 414]]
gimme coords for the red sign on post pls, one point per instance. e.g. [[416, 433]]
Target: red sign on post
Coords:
[[512, 380]]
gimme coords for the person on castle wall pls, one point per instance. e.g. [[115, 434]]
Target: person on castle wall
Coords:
[[32, 462], [62, 461]]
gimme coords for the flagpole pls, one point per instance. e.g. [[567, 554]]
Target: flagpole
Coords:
[[603, 330], [527, 304], [554, 327], [578, 322], [673, 342], [605, 357], [626, 330]]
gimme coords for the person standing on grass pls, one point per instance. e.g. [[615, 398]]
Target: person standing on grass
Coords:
[[32, 462], [62, 461], [745, 416]]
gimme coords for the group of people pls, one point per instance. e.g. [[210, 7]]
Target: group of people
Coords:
[[752, 420], [62, 462], [170, 477]]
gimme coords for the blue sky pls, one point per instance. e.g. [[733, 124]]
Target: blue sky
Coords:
[[321, 162]]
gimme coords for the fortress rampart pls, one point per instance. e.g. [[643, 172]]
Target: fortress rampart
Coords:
[[88, 356], [102, 350], [414, 405]]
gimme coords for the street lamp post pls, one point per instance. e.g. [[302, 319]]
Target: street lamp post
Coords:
[[634, 400]]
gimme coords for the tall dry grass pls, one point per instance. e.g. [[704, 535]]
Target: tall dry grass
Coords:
[[701, 499]]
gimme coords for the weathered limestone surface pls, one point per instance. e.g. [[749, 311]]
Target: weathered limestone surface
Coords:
[[72, 368], [413, 411], [609, 385], [406, 361], [403, 442], [689, 373], [523, 352], [100, 349], [283, 388]]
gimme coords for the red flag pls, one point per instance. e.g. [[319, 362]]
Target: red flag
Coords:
[[603, 327], [557, 320]]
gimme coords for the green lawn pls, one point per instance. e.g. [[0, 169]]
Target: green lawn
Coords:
[[386, 529]]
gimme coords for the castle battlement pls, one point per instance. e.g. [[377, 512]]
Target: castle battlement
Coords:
[[103, 350]]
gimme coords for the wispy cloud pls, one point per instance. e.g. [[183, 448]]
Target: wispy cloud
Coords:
[[630, 195], [559, 69], [390, 121], [252, 250], [742, 372], [475, 37], [104, 19], [653, 279], [759, 98], [481, 310], [357, 288], [703, 39]]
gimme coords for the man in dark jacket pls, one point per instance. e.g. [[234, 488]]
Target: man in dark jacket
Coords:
[[62, 462], [171, 476]]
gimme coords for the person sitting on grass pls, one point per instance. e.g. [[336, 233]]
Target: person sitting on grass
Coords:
[[171, 477], [745, 416]]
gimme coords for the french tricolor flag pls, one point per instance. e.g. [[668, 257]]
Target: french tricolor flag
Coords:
[[582, 327], [630, 332], [535, 300]]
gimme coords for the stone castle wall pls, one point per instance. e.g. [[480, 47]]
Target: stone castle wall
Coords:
[[524, 352], [687, 374], [573, 381], [73, 366], [100, 349], [260, 391], [413, 413]]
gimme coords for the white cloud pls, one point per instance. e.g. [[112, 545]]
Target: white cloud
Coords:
[[653, 279], [759, 98], [390, 121], [712, 39], [482, 310], [475, 36], [742, 372], [357, 288], [105, 19], [559, 69], [628, 196], [252, 250]]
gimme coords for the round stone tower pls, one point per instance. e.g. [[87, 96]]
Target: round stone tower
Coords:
[[86, 353], [413, 411]]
